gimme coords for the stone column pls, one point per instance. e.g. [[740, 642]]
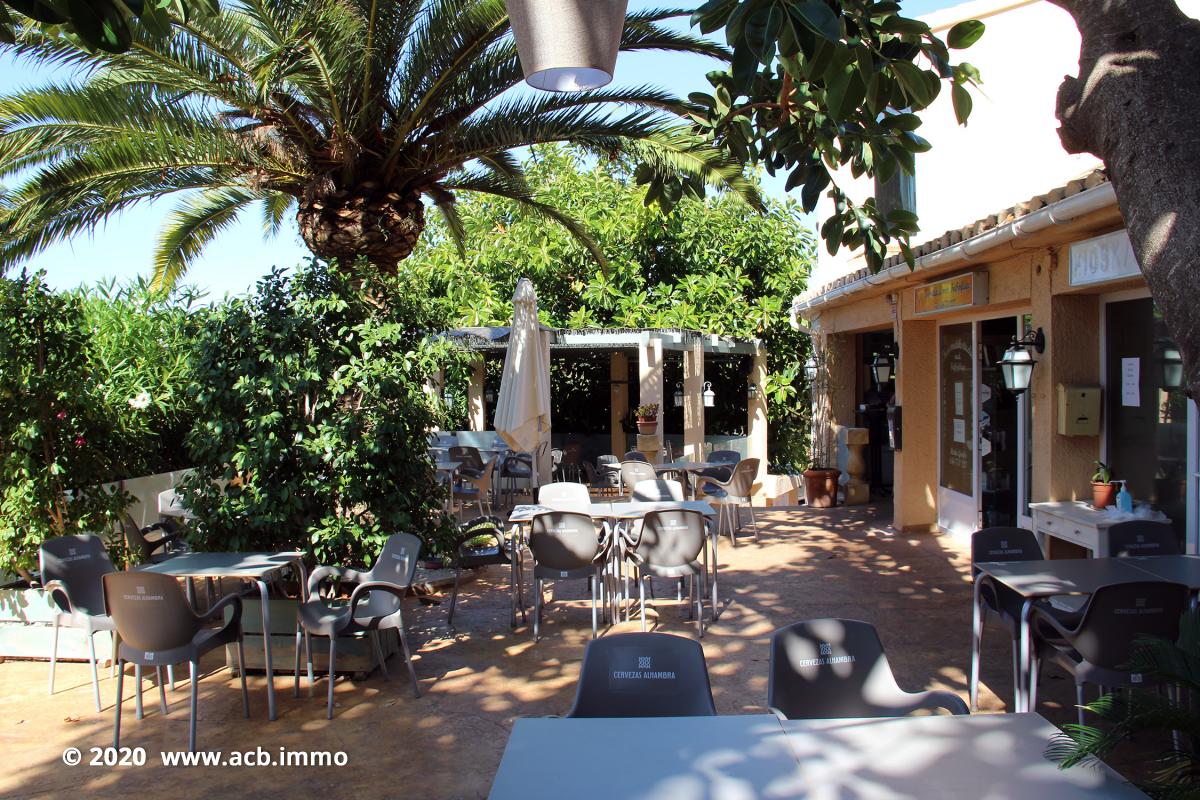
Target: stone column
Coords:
[[618, 394], [916, 464], [693, 402], [650, 381], [756, 412], [476, 402]]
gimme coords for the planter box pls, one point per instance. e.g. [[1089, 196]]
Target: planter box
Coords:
[[354, 654], [781, 490], [26, 631]]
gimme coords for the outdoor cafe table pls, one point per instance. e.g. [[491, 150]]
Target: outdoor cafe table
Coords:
[[255, 567], [984, 756], [1034, 580], [690, 468]]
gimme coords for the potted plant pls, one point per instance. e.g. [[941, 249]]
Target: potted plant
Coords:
[[1104, 489], [647, 418], [821, 479]]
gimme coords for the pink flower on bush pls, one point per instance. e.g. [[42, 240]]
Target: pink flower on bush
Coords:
[[80, 441], [61, 415]]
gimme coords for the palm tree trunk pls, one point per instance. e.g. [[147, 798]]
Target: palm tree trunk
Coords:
[[363, 221]]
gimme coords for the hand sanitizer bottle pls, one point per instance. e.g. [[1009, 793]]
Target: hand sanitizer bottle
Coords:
[[1124, 500]]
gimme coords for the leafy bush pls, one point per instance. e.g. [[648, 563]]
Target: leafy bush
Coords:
[[312, 415], [57, 437]]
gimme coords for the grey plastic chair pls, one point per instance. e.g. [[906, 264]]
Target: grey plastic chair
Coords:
[[604, 482], [634, 472], [73, 568], [565, 496], [376, 604], [571, 461], [157, 627], [635, 455], [1098, 648], [1142, 538], [643, 675], [478, 488], [836, 669], [669, 544], [470, 461], [998, 544], [495, 548], [565, 545], [730, 495], [167, 544], [657, 490]]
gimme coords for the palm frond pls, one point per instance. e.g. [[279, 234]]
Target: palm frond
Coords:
[[190, 227]]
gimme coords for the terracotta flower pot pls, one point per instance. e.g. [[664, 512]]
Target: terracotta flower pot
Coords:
[[647, 425], [1103, 494], [821, 487]]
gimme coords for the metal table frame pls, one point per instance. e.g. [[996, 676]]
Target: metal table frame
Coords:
[[258, 568], [1035, 580]]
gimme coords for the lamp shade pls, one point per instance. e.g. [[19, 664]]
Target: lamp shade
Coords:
[[1016, 367], [810, 368], [567, 45], [1172, 364], [881, 368]]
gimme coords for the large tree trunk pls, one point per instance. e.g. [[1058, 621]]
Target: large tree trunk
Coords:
[[363, 220], [1136, 105]]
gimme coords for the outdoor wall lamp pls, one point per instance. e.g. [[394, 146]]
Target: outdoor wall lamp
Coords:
[[752, 390], [882, 368], [567, 45], [710, 397], [1016, 367], [490, 396], [679, 395], [810, 368], [1172, 366]]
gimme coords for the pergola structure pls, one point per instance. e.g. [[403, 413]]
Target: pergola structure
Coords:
[[648, 346]]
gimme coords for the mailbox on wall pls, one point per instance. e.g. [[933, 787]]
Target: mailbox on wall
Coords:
[[1078, 410], [895, 419]]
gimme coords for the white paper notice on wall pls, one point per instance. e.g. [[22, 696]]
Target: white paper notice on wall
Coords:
[[1131, 382], [960, 431], [958, 398]]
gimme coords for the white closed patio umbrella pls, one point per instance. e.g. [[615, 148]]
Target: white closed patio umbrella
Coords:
[[523, 407]]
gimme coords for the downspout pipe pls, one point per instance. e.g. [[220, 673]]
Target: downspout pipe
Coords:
[[968, 251]]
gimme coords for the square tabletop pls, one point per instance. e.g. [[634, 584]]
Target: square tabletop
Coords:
[[629, 510], [647, 758], [981, 756], [1177, 569], [1063, 576], [248, 566]]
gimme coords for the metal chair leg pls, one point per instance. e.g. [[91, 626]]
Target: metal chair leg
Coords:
[[412, 673], [537, 608], [54, 654], [137, 701], [92, 662], [242, 672], [976, 648], [753, 519], [642, 599], [195, 670], [162, 690], [1079, 701], [332, 658], [117, 707], [595, 593], [296, 673], [375, 646]]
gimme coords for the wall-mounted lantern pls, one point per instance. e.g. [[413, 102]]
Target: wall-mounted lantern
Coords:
[[490, 396], [752, 390], [567, 45], [1172, 367], [679, 395], [710, 397], [1016, 367], [882, 368], [811, 367]]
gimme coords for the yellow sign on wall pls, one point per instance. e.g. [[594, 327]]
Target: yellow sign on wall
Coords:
[[951, 294]]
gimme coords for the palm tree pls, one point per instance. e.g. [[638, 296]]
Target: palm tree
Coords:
[[345, 112]]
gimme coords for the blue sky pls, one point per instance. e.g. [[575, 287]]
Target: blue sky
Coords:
[[233, 262]]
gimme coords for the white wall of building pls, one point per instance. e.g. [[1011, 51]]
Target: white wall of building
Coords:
[[1009, 151]]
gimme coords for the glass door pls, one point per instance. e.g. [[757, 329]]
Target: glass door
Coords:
[[957, 431], [1000, 430]]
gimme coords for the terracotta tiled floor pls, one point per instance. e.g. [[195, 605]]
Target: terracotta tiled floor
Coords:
[[808, 563]]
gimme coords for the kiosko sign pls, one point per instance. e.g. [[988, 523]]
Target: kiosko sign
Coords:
[[1104, 258], [951, 294]]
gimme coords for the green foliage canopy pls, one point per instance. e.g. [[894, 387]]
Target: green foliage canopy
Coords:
[[711, 265], [312, 417]]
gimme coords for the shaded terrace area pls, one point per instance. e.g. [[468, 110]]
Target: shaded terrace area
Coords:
[[475, 681]]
